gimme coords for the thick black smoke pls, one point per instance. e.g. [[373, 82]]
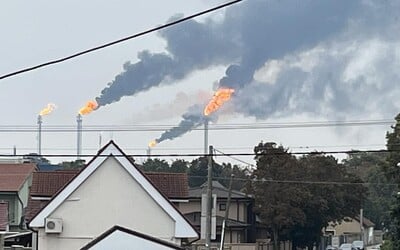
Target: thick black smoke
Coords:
[[248, 35], [335, 32], [192, 119]]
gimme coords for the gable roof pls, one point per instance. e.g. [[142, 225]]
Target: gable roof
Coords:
[[183, 229], [132, 234], [3, 216], [13, 176]]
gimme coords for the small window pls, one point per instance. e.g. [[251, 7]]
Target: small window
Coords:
[[222, 206]]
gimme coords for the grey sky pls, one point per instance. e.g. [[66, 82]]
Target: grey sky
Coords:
[[289, 61]]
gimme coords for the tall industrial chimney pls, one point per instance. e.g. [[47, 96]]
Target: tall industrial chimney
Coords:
[[206, 136], [79, 136], [39, 136]]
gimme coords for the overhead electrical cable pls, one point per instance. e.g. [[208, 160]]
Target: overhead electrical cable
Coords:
[[227, 126], [350, 152], [119, 40]]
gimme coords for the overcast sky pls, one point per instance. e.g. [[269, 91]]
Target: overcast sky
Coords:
[[288, 61]]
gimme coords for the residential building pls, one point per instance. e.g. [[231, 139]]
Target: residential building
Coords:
[[241, 226], [109, 192], [15, 180], [350, 229]]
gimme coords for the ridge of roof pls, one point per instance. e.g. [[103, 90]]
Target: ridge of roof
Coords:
[[185, 229]]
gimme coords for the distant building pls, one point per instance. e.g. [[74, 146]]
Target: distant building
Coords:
[[241, 224], [350, 229]]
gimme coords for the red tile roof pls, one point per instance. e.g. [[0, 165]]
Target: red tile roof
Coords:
[[172, 185], [3, 216], [13, 176], [48, 183]]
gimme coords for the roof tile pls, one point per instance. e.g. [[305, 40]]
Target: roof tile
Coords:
[[13, 176], [172, 185]]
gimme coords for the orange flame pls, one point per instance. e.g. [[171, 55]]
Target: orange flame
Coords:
[[47, 110], [152, 144], [88, 108], [221, 96]]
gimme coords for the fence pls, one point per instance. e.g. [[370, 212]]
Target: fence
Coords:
[[246, 246]]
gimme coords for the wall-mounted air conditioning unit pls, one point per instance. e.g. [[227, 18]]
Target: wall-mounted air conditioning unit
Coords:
[[53, 225]]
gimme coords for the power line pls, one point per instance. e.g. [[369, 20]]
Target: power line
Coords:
[[119, 41], [234, 158], [227, 126], [302, 181], [351, 152]]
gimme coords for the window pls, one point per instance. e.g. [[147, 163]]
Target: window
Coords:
[[222, 206]]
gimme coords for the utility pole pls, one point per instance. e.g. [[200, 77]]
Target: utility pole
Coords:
[[209, 199], [228, 205]]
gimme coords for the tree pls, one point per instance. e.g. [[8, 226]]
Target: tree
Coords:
[[155, 165], [392, 171], [369, 167], [241, 174], [77, 164], [179, 166], [278, 198], [198, 171], [329, 200]]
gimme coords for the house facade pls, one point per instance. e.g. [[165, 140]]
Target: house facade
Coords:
[[15, 180], [241, 218], [351, 229], [110, 191]]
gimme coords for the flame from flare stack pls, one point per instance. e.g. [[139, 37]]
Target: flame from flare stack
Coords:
[[88, 108], [152, 144], [221, 96], [47, 110]]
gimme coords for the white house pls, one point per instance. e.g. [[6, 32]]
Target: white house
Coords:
[[109, 191]]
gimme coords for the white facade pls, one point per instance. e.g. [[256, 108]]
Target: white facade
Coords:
[[109, 191]]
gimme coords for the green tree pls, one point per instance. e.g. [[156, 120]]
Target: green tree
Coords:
[[241, 174], [392, 171], [279, 198], [179, 166], [77, 164], [155, 165], [369, 167], [328, 200], [198, 171]]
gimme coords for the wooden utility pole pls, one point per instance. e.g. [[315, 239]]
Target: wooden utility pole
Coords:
[[209, 199], [228, 205]]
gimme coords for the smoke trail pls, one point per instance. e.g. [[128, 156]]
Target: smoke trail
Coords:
[[193, 118], [249, 34], [335, 37]]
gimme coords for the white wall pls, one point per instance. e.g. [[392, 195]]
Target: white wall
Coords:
[[110, 196]]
